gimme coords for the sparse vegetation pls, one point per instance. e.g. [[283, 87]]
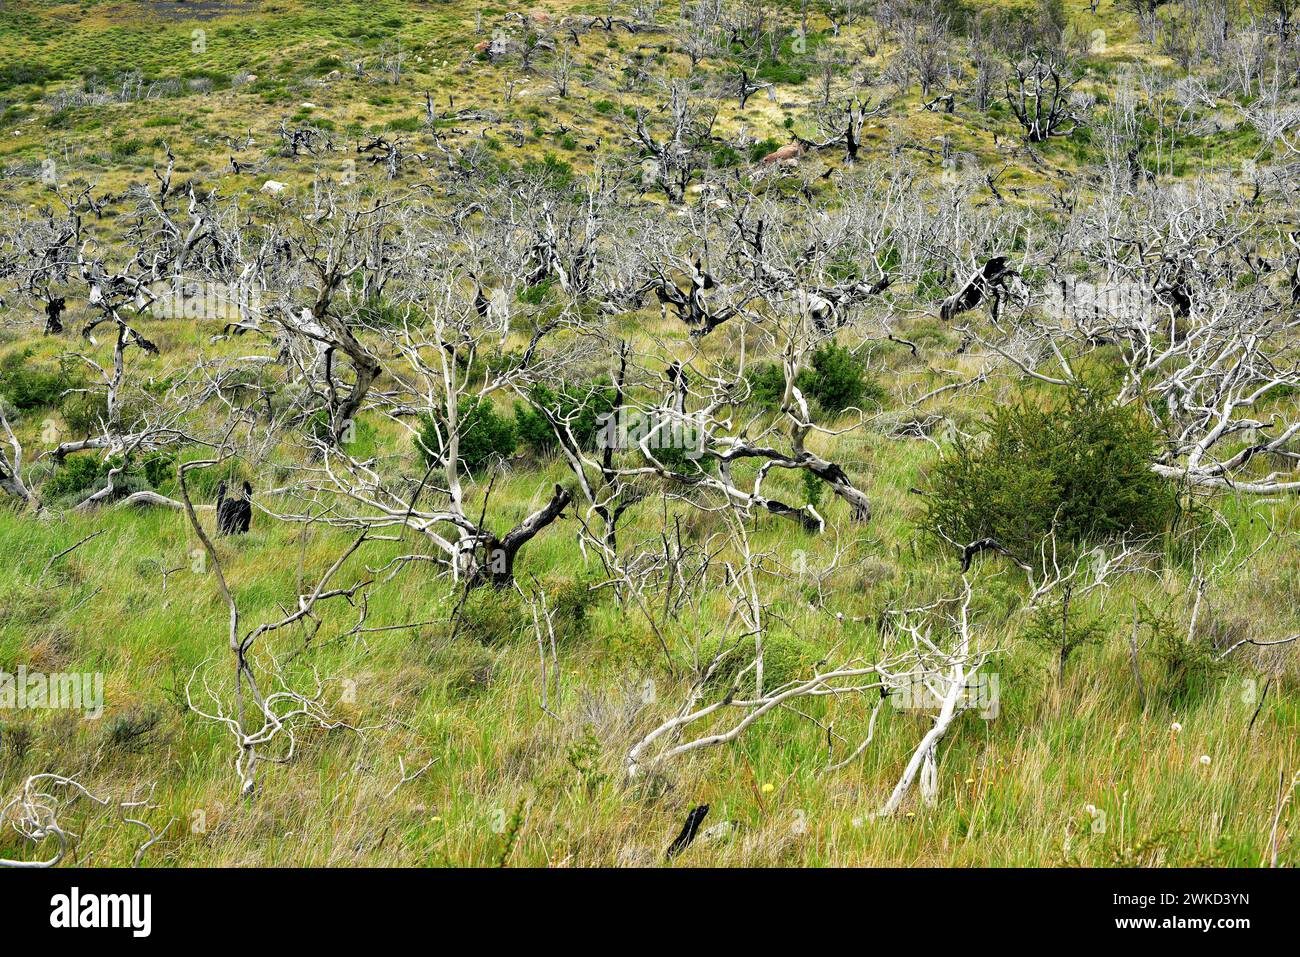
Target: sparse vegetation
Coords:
[[1032, 267]]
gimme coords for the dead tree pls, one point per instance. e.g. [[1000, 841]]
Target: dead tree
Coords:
[[436, 366], [672, 160], [11, 467], [987, 282], [345, 260], [234, 514], [260, 719], [747, 86], [391, 154], [1040, 99]]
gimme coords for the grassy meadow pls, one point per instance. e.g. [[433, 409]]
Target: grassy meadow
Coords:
[[1145, 749]]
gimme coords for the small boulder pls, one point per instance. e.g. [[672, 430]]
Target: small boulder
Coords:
[[718, 833]]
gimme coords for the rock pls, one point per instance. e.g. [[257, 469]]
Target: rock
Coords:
[[307, 106], [272, 186], [717, 833]]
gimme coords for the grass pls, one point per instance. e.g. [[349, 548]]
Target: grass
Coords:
[[1014, 787], [504, 782]]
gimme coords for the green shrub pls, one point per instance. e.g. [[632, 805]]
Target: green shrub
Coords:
[[584, 409], [77, 474], [786, 73], [159, 470], [571, 601], [762, 148], [766, 384], [1062, 629], [484, 435], [379, 313], [685, 461], [725, 156], [1081, 470], [535, 294], [18, 73], [84, 411], [124, 149], [1190, 664], [202, 483], [836, 380], [490, 615], [29, 385], [813, 487], [556, 173], [785, 659]]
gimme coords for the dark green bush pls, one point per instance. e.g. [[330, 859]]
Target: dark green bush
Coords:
[[535, 294], [785, 659], [202, 483], [725, 156], [124, 149], [84, 411], [159, 469], [379, 313], [1063, 630], [766, 384], [571, 601], [17, 73], [1081, 470], [407, 124], [484, 435], [77, 474], [836, 380], [28, 385], [491, 615], [762, 148], [587, 408], [1190, 663], [813, 487], [556, 173], [783, 73], [685, 461]]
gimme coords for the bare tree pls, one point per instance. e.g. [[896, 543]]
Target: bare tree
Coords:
[[1038, 93]]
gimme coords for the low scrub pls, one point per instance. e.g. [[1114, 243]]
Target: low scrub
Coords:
[[1081, 471]]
